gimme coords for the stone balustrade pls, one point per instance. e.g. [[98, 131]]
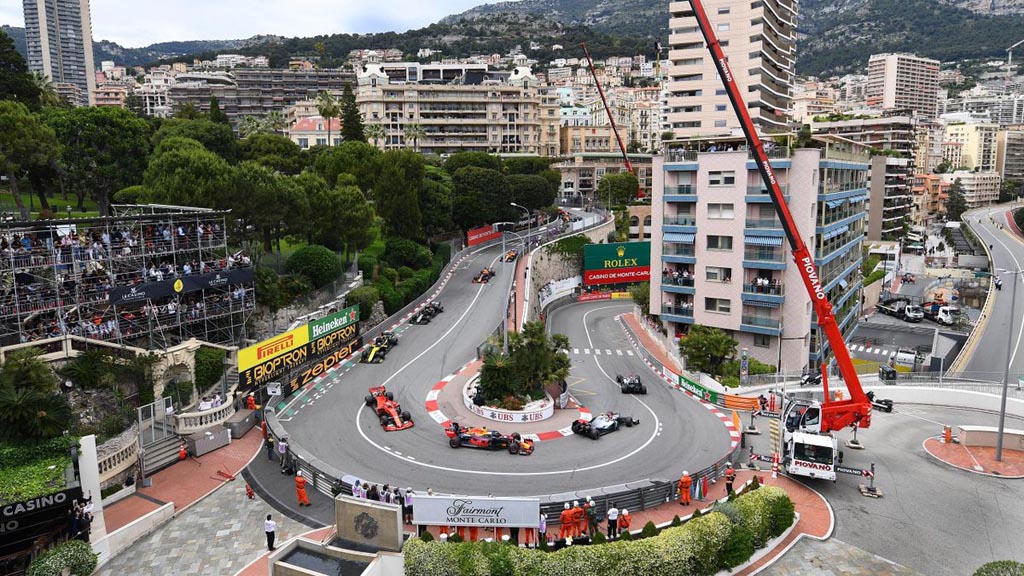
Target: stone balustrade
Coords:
[[118, 454], [191, 422]]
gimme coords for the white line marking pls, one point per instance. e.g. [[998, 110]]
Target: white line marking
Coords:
[[575, 350], [629, 352], [597, 352], [586, 350], [1016, 278], [608, 352], [619, 352], [860, 349]]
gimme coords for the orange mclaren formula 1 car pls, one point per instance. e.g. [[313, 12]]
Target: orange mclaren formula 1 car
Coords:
[[459, 436], [390, 413]]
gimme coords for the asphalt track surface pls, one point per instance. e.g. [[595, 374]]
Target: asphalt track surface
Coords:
[[674, 433], [933, 518]]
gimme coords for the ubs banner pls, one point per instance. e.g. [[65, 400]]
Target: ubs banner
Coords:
[[620, 263], [301, 348], [475, 511]]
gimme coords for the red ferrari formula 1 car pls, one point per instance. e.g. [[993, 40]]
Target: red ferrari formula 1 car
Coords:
[[390, 413], [459, 436]]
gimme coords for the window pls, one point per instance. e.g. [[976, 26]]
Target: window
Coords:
[[762, 341], [723, 10], [303, 143], [721, 212], [719, 123], [720, 305], [721, 178], [321, 141], [717, 274], [719, 242], [647, 220], [634, 221], [720, 107], [723, 27], [719, 91]]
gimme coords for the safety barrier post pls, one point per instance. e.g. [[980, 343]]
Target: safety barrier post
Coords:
[[947, 435]]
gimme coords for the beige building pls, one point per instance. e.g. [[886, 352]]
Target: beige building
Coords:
[[110, 94], [582, 173], [589, 139], [514, 116], [977, 146], [811, 103], [979, 188], [930, 195], [903, 82], [313, 131], [890, 202], [759, 39], [1010, 153]]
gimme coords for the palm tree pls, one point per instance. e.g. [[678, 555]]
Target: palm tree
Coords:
[[47, 90], [275, 121], [413, 132], [251, 125], [374, 132], [327, 106]]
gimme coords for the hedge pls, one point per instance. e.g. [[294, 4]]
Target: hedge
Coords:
[[317, 263], [701, 546], [73, 554], [1001, 568], [33, 471]]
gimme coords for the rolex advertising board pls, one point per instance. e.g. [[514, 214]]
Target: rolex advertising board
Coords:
[[617, 263]]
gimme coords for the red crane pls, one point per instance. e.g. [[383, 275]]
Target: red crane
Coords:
[[608, 111], [835, 415]]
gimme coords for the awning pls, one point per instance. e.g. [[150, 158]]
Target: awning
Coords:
[[833, 233], [762, 241], [686, 238], [861, 198], [834, 203]]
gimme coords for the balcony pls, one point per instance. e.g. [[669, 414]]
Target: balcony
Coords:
[[669, 280], [679, 221], [769, 290], [762, 254], [763, 224], [761, 325], [680, 189], [678, 250], [685, 311], [761, 190]]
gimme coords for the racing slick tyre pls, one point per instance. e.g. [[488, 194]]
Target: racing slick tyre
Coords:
[[406, 417], [643, 389], [629, 423], [593, 433], [389, 395], [368, 400], [513, 448], [623, 388], [575, 427], [454, 442], [385, 421]]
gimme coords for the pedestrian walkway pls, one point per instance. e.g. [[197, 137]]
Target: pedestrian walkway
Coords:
[[598, 352], [835, 558], [652, 346], [861, 348]]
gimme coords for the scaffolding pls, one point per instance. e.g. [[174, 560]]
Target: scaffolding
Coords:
[[149, 276]]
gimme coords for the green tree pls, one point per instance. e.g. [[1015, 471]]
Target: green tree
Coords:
[[396, 193], [527, 165], [259, 199], [250, 126], [187, 111], [706, 348], [1010, 189], [436, 200], [641, 295], [460, 160], [535, 359], [217, 115], [31, 408], [217, 138], [480, 197], [47, 90], [956, 204], [15, 81], [275, 121], [943, 167], [413, 132], [273, 151], [25, 142], [328, 107], [532, 191], [356, 158], [186, 175], [374, 132], [354, 223], [351, 119], [317, 263], [104, 150], [621, 188]]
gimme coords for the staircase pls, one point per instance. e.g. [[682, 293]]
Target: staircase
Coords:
[[161, 453]]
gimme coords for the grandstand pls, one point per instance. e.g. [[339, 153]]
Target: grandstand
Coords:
[[149, 276]]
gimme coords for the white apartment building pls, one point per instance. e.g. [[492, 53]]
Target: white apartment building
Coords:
[[515, 116], [1001, 109], [724, 258], [979, 188], [759, 40], [974, 146], [155, 93], [903, 82], [1010, 154], [58, 42]]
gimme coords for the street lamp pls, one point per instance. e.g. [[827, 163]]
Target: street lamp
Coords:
[[1006, 369], [528, 222]]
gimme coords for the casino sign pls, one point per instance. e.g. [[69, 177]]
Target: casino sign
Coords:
[[619, 263]]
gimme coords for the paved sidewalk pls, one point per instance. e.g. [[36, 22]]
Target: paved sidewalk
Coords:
[[654, 347], [977, 459], [833, 558]]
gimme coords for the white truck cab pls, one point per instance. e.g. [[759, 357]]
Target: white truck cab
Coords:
[[812, 455]]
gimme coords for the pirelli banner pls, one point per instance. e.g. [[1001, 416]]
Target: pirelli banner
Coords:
[[620, 263], [284, 355]]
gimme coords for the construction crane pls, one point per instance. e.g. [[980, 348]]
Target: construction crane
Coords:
[[809, 449], [1009, 60], [608, 111]]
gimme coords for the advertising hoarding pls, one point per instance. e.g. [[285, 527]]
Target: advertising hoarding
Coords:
[[619, 263], [476, 511], [481, 235]]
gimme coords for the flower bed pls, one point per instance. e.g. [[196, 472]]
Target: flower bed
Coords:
[[535, 411], [703, 545]]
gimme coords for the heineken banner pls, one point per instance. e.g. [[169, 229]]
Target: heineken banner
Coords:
[[275, 357], [182, 285], [619, 263]]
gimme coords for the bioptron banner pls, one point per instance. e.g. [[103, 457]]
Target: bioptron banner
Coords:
[[619, 263], [274, 357]]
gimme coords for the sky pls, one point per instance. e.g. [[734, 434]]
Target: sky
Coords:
[[136, 23]]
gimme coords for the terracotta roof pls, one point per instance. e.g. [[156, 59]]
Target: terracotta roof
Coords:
[[311, 124]]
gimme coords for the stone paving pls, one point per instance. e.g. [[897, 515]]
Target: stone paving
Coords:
[[833, 558], [218, 535]]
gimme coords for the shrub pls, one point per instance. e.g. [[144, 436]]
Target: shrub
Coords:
[[442, 253], [730, 511], [626, 535], [766, 513], [738, 548], [181, 392], [365, 297], [391, 298], [599, 538], [405, 272], [390, 274], [649, 530], [1001, 567], [209, 366], [755, 484], [697, 513], [73, 554], [367, 264], [292, 286], [317, 263], [401, 252], [454, 539], [427, 536], [676, 521], [511, 403]]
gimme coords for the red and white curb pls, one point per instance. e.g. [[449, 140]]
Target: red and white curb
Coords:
[[435, 412], [734, 434]]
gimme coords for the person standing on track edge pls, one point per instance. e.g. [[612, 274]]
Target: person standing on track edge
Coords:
[[565, 520], [730, 477], [684, 488], [282, 451], [300, 489], [270, 527], [269, 443], [613, 521]]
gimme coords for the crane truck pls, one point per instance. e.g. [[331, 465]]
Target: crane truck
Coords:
[[809, 447]]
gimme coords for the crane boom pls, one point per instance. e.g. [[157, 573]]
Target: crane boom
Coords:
[[607, 110], [835, 415]]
